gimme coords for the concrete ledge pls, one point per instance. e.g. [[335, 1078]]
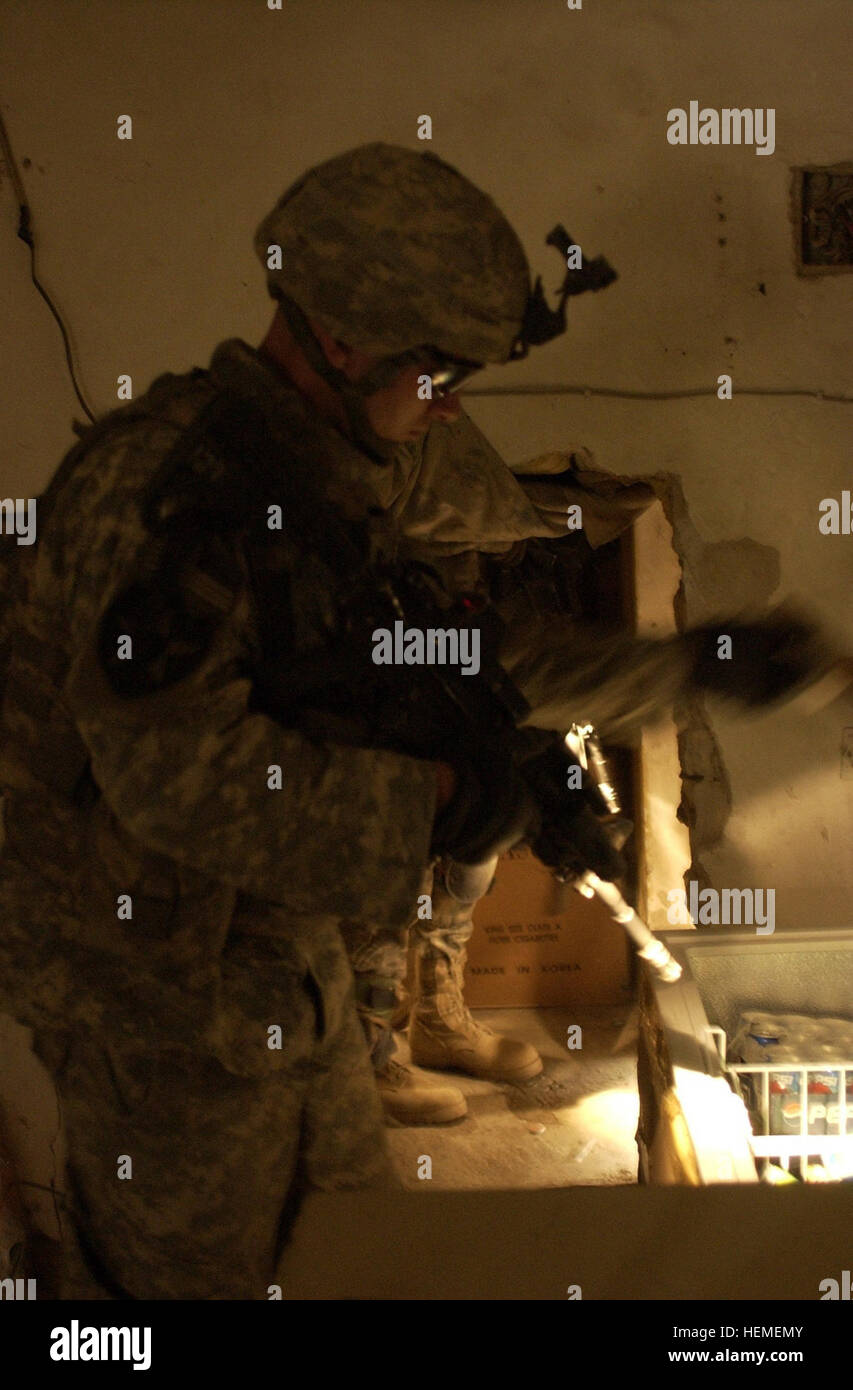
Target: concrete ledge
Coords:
[[674, 1243]]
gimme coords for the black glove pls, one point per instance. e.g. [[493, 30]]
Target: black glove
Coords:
[[581, 842], [488, 814], [575, 833], [770, 657]]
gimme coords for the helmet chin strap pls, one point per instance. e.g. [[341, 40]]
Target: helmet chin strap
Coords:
[[352, 393], [361, 431]]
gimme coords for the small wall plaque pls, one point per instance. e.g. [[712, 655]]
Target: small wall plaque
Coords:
[[823, 219]]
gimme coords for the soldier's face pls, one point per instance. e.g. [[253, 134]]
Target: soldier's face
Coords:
[[396, 413]]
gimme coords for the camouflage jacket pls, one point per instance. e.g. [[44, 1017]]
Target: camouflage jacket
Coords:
[[165, 798], [470, 516]]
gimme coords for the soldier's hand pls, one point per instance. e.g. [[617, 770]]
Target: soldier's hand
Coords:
[[488, 813], [574, 835], [581, 843], [763, 660]]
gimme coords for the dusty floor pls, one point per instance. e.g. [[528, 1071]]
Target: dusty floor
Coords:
[[586, 1100]]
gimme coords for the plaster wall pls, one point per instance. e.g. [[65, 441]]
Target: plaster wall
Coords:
[[561, 115], [146, 246]]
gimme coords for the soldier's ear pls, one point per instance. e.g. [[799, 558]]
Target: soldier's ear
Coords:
[[337, 353]]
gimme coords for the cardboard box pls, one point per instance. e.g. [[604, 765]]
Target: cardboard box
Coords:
[[538, 942]]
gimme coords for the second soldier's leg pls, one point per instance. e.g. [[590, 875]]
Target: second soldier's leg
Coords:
[[442, 1032], [378, 960]]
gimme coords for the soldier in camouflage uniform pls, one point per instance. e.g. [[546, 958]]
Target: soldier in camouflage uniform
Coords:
[[178, 862], [482, 538], [487, 505], [156, 1022], [525, 579], [462, 511]]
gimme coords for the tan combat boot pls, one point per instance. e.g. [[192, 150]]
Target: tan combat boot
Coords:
[[407, 1098], [442, 1032], [412, 1100]]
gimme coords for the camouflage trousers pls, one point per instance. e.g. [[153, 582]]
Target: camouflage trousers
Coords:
[[183, 1179], [382, 956]]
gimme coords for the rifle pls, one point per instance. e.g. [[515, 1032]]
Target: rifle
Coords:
[[219, 481], [446, 714], [583, 740]]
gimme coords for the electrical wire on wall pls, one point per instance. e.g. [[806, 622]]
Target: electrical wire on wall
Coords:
[[625, 395], [25, 232]]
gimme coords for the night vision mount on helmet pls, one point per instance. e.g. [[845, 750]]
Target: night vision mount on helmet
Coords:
[[393, 250], [540, 323]]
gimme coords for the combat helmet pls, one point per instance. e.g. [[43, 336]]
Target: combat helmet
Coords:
[[392, 249]]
